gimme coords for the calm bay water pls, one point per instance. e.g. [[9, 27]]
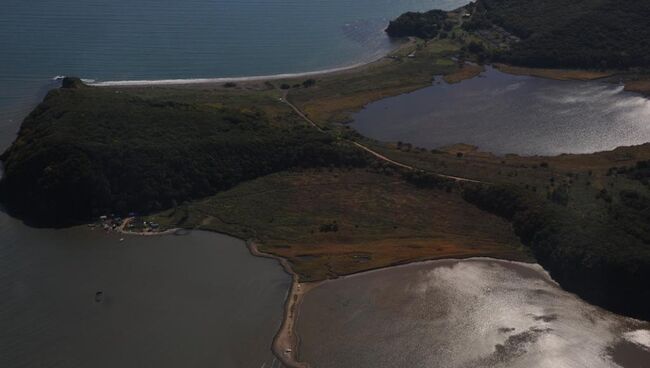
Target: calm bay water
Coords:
[[169, 39], [503, 113], [472, 313], [199, 300]]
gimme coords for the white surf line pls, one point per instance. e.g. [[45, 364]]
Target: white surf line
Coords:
[[169, 82]]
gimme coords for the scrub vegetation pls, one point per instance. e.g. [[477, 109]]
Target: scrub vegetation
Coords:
[[336, 222], [594, 34], [89, 151], [243, 160], [585, 218]]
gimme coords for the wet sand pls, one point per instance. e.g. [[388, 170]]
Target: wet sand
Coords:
[[286, 342]]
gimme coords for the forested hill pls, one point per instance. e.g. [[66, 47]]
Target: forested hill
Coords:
[[423, 25], [594, 34], [574, 33], [88, 151]]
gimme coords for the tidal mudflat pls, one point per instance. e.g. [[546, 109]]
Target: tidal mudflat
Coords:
[[469, 313], [503, 113], [198, 300]]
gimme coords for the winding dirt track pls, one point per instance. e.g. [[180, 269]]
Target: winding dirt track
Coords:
[[378, 155]]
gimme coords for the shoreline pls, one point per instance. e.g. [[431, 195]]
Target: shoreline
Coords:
[[120, 229], [244, 79], [286, 341]]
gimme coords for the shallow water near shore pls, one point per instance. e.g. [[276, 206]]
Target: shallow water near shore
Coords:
[[199, 300], [503, 113], [470, 313]]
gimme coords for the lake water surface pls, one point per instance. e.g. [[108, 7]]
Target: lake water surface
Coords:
[[199, 300], [472, 313], [503, 113]]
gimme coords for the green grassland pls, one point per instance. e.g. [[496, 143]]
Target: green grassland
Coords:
[[333, 97], [238, 159], [336, 222]]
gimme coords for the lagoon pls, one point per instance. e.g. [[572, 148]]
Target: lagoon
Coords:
[[503, 113], [463, 313]]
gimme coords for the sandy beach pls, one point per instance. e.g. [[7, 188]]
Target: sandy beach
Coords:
[[286, 341], [244, 79]]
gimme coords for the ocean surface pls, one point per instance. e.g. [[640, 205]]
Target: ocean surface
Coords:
[[477, 313], [170, 39], [503, 113]]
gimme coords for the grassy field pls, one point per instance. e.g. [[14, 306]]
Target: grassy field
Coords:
[[330, 223], [583, 176], [334, 97]]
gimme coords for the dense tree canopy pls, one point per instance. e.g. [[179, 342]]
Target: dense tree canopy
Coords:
[[573, 33], [88, 151], [423, 25], [594, 34], [606, 261]]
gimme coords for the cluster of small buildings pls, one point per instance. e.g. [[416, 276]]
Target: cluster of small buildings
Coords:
[[139, 225], [132, 223], [108, 222]]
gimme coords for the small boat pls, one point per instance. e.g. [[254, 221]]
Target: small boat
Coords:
[[99, 297]]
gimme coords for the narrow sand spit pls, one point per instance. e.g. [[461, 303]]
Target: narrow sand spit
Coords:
[[286, 341]]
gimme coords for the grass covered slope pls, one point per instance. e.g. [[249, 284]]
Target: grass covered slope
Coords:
[[329, 223], [86, 151]]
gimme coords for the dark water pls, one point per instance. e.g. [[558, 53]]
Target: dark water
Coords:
[[163, 39], [503, 113], [199, 300], [473, 313]]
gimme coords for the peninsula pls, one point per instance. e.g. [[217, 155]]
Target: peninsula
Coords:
[[273, 162]]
